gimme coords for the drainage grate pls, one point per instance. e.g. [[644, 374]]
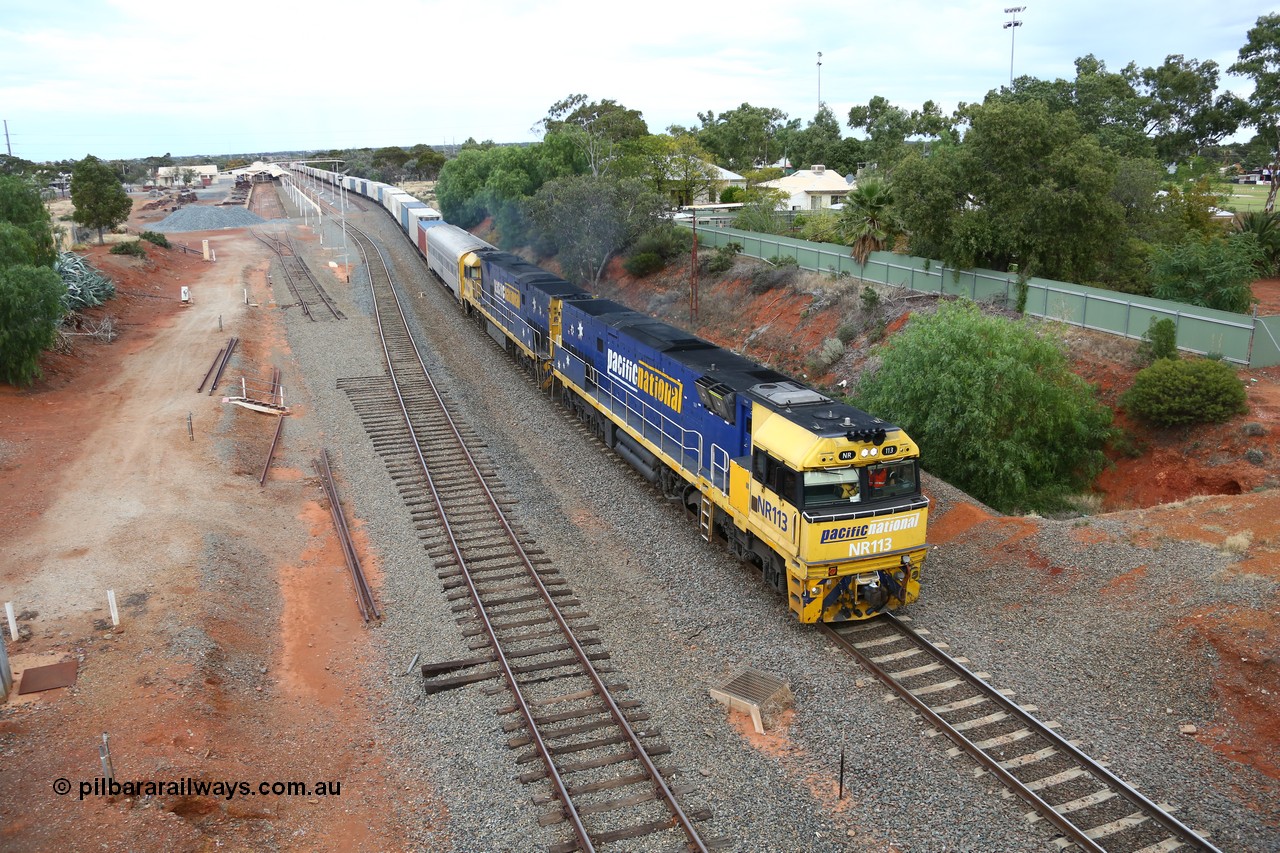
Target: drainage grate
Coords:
[[756, 693]]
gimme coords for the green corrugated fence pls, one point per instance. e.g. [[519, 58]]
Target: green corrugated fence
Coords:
[[1239, 338]]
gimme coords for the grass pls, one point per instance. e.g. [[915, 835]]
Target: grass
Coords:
[[1244, 197], [1238, 543]]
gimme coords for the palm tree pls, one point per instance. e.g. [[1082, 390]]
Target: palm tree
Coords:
[[1265, 226], [868, 222]]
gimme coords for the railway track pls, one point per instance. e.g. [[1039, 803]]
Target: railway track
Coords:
[[298, 276], [574, 729], [1091, 808]]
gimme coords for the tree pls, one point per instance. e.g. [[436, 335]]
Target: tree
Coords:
[[100, 200], [425, 163], [740, 138], [598, 129], [21, 208], [1106, 105], [1259, 59], [867, 221], [820, 142], [30, 309], [1181, 110], [593, 219], [993, 405], [888, 128], [677, 168], [1216, 273], [1024, 185]]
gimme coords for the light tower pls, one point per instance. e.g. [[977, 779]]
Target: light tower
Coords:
[[819, 81], [1012, 25]]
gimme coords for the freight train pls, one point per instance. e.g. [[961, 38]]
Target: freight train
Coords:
[[822, 497]]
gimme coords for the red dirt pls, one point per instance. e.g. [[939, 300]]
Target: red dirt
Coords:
[[256, 680]]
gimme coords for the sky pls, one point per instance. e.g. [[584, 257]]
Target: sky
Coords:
[[134, 78]]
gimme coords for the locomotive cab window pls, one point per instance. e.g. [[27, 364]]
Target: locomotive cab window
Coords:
[[775, 476], [831, 488], [892, 480]]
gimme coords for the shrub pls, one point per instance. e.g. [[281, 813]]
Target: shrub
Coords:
[[818, 227], [666, 242], [1172, 393], [783, 261], [1160, 340], [30, 308], [642, 264], [722, 259], [1215, 273], [759, 217], [732, 195], [764, 279], [156, 238], [994, 406], [830, 352], [870, 299], [846, 332], [133, 247]]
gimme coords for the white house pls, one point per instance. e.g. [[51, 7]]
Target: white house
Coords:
[[724, 179], [203, 174], [814, 188]]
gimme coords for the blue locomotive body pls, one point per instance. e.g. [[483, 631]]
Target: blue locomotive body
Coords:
[[822, 496]]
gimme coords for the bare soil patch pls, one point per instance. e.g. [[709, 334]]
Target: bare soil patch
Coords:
[[240, 655]]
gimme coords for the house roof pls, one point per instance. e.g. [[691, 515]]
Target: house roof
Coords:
[[258, 167], [818, 179], [201, 169]]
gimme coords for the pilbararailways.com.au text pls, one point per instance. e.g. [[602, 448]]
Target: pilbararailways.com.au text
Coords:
[[188, 787]]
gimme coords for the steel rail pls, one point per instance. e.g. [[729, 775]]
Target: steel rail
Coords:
[[271, 451], [226, 359], [640, 754], [217, 358], [1076, 834], [364, 593]]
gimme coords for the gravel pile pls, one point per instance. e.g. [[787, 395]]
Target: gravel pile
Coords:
[[204, 218], [681, 616]]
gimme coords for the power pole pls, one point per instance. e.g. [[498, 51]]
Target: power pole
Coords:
[[693, 277], [7, 146]]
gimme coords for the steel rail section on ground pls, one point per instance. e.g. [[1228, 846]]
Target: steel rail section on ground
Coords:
[[216, 360], [364, 593], [227, 352]]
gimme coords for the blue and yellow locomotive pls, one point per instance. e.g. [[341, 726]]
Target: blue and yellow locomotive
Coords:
[[822, 496]]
